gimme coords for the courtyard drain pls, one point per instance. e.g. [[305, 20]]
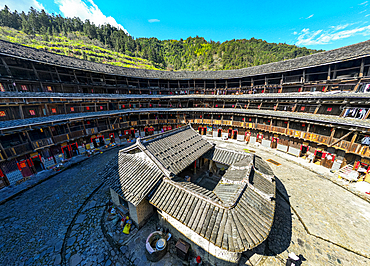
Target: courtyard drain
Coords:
[[274, 162]]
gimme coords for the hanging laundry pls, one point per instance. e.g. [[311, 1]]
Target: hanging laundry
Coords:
[[366, 140]]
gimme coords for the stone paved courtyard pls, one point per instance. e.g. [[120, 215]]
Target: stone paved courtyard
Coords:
[[61, 221]]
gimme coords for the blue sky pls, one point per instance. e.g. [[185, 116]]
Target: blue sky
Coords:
[[313, 24]]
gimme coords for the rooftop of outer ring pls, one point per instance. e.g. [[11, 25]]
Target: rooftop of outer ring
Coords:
[[293, 95], [345, 53], [316, 118]]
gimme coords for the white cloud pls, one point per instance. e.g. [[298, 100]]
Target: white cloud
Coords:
[[310, 16], [21, 5], [321, 37], [364, 3], [86, 9], [153, 20]]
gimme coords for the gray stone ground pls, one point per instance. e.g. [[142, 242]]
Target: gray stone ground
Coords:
[[34, 224], [62, 221]]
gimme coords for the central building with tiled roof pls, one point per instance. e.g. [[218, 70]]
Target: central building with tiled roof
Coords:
[[213, 197]]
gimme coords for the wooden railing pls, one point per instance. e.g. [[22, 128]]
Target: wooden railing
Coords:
[[61, 138], [278, 129], [18, 149], [91, 131], [153, 121], [103, 128], [125, 124], [249, 125], [42, 143], [238, 124], [217, 122], [76, 134], [355, 148], [144, 122], [344, 145], [133, 123], [162, 121], [262, 127], [198, 121], [115, 126], [171, 121], [227, 122], [207, 121]]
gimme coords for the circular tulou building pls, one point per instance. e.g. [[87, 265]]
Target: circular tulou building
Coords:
[[55, 107]]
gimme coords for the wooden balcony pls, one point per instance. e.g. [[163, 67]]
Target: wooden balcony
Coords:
[[162, 121], [125, 124], [207, 121], [263, 127], [227, 122], [18, 149], [114, 126], [278, 129], [295, 133], [355, 148], [76, 134], [91, 131], [198, 121], [238, 124], [217, 122], [343, 145], [171, 121], [42, 143], [61, 138], [103, 128], [364, 151]]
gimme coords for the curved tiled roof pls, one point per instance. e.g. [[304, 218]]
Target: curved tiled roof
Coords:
[[345, 53], [178, 148], [238, 218], [131, 177]]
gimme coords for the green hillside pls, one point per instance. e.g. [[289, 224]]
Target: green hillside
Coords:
[[75, 45], [107, 44]]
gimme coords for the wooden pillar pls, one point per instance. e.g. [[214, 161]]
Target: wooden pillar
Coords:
[[37, 75], [21, 111], [46, 109], [331, 136], [317, 109], [361, 74], [353, 140], [335, 72], [329, 73], [69, 129], [3, 150]]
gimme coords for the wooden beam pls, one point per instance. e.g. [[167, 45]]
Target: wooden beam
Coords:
[[342, 138]]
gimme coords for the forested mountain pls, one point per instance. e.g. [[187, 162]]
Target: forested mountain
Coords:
[[42, 30]]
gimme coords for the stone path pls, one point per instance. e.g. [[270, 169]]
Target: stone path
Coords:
[[314, 218], [33, 225], [85, 242]]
